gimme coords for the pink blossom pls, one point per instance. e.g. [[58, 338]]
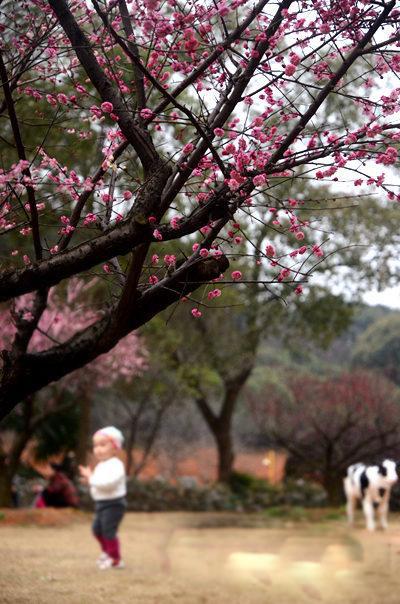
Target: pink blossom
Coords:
[[95, 111], [317, 251], [236, 275], [196, 313], [152, 219], [62, 98], [169, 259], [188, 148], [285, 272], [215, 293], [270, 251], [107, 268], [195, 247], [299, 290], [174, 222], [67, 230], [25, 231], [153, 279], [26, 259], [50, 99], [259, 180], [89, 218], [127, 195], [154, 259], [107, 107], [290, 69], [387, 158], [218, 132], [146, 114], [157, 235]]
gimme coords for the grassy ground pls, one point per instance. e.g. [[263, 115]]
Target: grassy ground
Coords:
[[281, 557]]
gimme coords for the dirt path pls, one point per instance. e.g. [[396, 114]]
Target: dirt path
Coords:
[[200, 559]]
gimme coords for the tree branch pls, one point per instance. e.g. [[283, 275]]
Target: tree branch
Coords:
[[35, 370], [138, 138]]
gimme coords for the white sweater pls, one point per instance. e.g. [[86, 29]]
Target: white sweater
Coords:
[[108, 480]]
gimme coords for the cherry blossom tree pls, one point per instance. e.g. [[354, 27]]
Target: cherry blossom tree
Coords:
[[199, 110], [62, 317]]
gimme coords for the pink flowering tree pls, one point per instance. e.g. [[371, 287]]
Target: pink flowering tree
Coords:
[[326, 424], [199, 110], [64, 315]]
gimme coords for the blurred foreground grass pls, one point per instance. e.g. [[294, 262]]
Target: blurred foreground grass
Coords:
[[280, 556]]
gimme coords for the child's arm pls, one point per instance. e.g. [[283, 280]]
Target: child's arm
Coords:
[[85, 472]]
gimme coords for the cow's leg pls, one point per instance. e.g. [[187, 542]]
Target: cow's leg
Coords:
[[350, 500], [383, 511], [350, 507], [369, 513]]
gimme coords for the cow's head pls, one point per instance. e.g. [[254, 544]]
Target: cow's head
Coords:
[[388, 469]]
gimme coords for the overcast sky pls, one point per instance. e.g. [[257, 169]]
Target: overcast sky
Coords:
[[388, 297]]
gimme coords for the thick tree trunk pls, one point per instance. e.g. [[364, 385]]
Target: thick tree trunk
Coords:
[[225, 453], [221, 425], [5, 485], [333, 485]]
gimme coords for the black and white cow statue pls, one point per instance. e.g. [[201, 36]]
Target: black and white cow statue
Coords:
[[371, 485]]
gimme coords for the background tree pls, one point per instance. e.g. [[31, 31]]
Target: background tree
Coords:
[[378, 347], [327, 424], [172, 168], [140, 406]]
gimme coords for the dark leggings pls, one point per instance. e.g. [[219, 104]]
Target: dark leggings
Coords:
[[108, 515]]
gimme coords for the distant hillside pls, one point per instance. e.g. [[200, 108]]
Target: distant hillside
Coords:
[[303, 354]]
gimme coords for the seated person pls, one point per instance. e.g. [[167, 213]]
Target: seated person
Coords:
[[60, 491]]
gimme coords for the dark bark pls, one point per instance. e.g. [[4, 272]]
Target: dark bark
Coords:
[[333, 485], [30, 372], [226, 454], [5, 487], [221, 425], [137, 137]]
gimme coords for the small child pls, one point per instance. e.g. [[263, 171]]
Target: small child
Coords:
[[108, 489]]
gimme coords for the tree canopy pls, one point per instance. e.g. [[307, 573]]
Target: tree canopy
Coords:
[[131, 126]]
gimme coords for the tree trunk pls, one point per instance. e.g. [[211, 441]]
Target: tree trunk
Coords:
[[221, 425], [333, 485], [225, 453], [5, 486], [84, 432], [130, 443]]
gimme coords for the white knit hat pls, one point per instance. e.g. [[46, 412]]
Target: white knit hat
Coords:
[[113, 434]]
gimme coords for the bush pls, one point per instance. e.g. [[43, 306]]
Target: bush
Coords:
[[246, 493]]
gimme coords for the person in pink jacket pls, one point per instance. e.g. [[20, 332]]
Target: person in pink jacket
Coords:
[[107, 484]]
